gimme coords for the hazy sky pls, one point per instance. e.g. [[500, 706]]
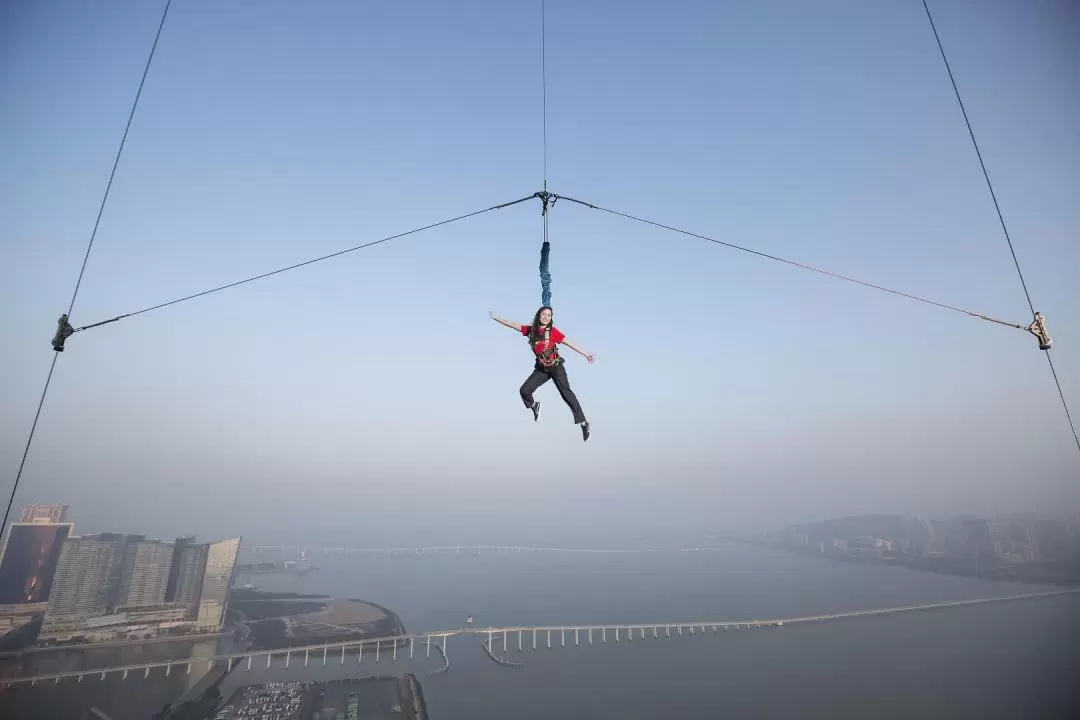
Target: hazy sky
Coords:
[[370, 399]]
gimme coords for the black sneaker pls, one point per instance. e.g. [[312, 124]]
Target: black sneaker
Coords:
[[584, 431], [536, 410]]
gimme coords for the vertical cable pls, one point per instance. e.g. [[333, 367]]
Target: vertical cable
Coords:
[[543, 84], [119, 152], [978, 153], [30, 439], [86, 259], [545, 249], [997, 208]]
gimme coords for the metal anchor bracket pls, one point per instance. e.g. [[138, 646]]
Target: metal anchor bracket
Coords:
[[1039, 330], [63, 332], [547, 199]]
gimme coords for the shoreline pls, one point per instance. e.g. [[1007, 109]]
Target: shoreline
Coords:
[[114, 644], [931, 566], [920, 564], [398, 624], [276, 630]]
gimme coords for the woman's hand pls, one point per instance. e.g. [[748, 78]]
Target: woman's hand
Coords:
[[579, 351], [501, 321]]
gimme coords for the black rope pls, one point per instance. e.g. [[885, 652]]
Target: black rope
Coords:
[[29, 440], [997, 208], [545, 198], [119, 152], [545, 254], [305, 263], [546, 213], [798, 264], [543, 82], [86, 258], [978, 153], [1061, 393]]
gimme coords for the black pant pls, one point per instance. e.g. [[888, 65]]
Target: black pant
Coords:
[[541, 375]]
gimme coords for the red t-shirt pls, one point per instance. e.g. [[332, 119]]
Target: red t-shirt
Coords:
[[541, 346]]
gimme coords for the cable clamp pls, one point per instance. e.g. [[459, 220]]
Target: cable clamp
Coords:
[[1039, 330], [63, 332], [547, 199]]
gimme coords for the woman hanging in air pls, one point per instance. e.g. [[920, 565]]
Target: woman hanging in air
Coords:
[[544, 339]]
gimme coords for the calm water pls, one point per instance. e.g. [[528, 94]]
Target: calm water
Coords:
[[1015, 660]]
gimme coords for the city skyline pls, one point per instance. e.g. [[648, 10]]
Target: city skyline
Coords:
[[371, 533], [100, 586], [182, 542], [178, 568]]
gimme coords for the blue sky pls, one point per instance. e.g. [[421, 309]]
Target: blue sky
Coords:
[[728, 391]]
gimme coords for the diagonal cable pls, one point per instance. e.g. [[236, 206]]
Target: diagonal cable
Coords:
[[997, 209], [86, 257], [116, 161], [305, 263], [978, 153], [793, 263]]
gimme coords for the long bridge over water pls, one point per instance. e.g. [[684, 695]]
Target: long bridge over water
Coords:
[[509, 637], [464, 548]]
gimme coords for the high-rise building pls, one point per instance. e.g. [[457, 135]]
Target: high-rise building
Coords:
[[88, 575], [217, 580], [145, 575], [189, 566], [177, 560], [176, 570], [44, 513], [29, 560]]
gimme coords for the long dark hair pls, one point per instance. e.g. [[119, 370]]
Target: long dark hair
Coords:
[[535, 333]]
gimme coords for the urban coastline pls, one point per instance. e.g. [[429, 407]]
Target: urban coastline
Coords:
[[141, 599], [127, 594], [62, 589], [1030, 547], [269, 620]]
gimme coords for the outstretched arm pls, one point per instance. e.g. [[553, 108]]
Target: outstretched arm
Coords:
[[578, 350], [507, 323]]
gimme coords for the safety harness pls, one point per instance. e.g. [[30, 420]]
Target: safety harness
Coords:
[[550, 356]]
